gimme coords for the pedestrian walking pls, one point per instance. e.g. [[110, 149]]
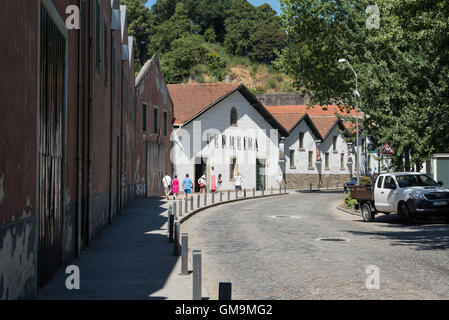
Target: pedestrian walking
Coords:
[[219, 182], [202, 183], [238, 183], [187, 184], [166, 181], [175, 187]]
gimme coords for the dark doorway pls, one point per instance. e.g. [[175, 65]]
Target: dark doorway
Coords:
[[260, 175], [50, 148], [200, 169]]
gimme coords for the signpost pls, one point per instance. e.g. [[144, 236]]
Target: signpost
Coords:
[[387, 153]]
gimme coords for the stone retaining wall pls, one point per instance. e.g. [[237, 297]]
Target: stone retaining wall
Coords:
[[303, 181]]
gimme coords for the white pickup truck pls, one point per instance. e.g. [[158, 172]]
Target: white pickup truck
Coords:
[[410, 195]]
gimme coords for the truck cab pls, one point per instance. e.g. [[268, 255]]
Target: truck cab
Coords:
[[410, 195]]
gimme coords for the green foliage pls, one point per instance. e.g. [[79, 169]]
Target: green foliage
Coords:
[[210, 36], [216, 64], [140, 23], [366, 181], [402, 67]]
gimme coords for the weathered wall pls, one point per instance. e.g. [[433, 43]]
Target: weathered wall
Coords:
[[152, 90], [303, 181]]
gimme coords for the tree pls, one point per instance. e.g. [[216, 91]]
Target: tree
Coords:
[[265, 42], [177, 26], [401, 90], [140, 22]]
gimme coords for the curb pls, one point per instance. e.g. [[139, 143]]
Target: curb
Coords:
[[198, 210], [348, 211]]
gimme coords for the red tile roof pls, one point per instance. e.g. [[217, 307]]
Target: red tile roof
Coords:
[[191, 99], [288, 120], [324, 124]]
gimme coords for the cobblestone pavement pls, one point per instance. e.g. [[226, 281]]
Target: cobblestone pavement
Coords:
[[267, 257]]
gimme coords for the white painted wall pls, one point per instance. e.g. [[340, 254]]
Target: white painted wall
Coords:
[[193, 143]]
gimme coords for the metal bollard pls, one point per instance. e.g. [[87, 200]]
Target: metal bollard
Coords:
[[254, 192], [285, 188], [221, 196], [310, 187], [186, 205], [180, 207], [271, 189], [171, 220], [205, 199], [229, 195], [280, 189], [244, 193], [213, 197], [196, 275], [263, 191], [236, 194], [225, 291], [198, 199], [176, 246], [191, 203], [185, 254], [174, 209]]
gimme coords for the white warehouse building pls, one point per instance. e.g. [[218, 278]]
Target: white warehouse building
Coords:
[[224, 129]]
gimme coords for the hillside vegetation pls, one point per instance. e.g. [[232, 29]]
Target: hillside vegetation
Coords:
[[211, 41]]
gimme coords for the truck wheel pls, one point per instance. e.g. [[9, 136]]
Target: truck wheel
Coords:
[[406, 215], [367, 214]]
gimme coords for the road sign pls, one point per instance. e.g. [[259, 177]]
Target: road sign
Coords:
[[387, 150]]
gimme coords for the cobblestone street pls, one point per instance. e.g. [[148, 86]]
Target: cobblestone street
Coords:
[[270, 249]]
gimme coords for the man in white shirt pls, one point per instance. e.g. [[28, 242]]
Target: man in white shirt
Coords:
[[238, 183], [166, 181]]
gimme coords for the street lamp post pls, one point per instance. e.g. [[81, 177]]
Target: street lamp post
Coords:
[[357, 97]]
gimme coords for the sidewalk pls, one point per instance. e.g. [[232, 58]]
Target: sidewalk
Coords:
[[132, 259]]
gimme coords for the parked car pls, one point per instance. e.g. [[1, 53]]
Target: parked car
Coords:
[[410, 195], [349, 184]]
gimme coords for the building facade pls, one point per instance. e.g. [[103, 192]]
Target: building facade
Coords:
[[69, 153], [154, 126], [223, 129]]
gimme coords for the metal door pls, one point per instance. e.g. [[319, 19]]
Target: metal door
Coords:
[[51, 108]]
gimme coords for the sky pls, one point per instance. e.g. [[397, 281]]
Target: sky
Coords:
[[273, 3]]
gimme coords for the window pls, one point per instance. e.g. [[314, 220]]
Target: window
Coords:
[[216, 141], [105, 54], [389, 183], [342, 161], [239, 143], [379, 182], [326, 161], [234, 116], [223, 141], [310, 160], [165, 123], [334, 144], [144, 117], [292, 159], [301, 140], [232, 168], [97, 35], [155, 120]]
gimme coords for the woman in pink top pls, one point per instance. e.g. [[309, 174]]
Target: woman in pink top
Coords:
[[175, 187]]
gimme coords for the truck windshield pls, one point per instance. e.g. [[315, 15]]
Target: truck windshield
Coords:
[[416, 180]]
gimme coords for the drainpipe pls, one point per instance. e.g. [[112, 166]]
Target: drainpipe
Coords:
[[90, 151], [80, 133]]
